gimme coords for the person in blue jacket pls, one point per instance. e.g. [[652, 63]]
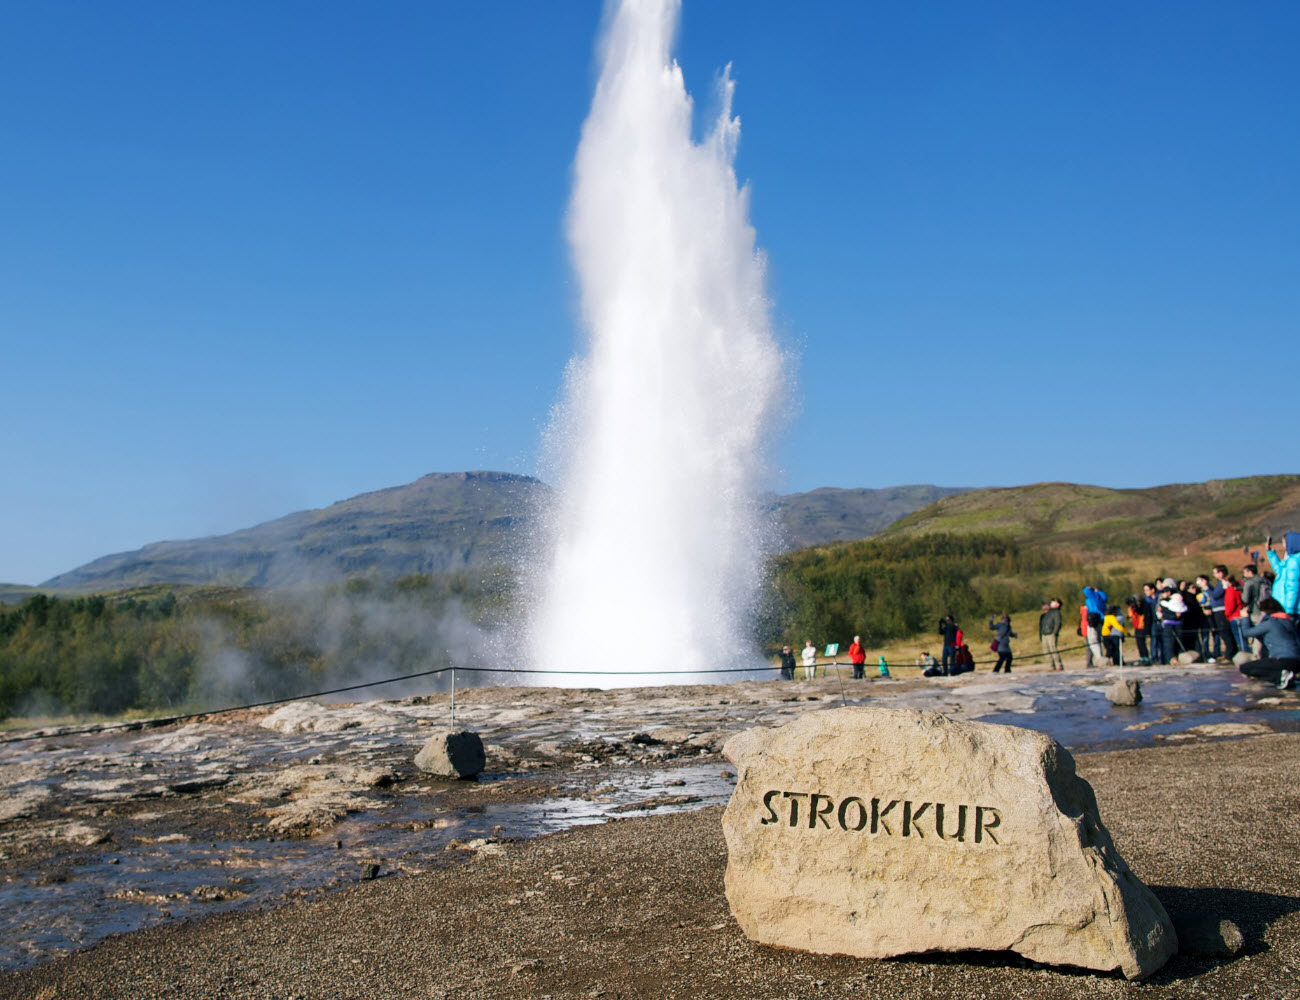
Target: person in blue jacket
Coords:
[[1095, 599], [1286, 588]]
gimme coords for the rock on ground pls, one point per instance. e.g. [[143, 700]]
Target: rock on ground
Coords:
[[880, 832], [1125, 693], [1206, 934], [451, 753]]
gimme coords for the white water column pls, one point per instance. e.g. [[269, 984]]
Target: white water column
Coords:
[[655, 547]]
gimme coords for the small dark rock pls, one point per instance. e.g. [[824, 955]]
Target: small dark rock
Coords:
[[646, 740], [369, 871], [192, 785], [1207, 935]]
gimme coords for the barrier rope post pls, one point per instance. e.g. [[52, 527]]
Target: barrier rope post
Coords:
[[453, 696]]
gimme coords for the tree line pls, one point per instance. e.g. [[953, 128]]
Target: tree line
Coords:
[[160, 650], [897, 588]]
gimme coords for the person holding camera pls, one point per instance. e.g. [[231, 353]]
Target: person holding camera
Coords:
[[1286, 588]]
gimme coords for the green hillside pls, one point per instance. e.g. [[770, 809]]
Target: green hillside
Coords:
[[1099, 523]]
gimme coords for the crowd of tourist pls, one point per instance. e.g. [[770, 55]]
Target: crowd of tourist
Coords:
[[1211, 618]]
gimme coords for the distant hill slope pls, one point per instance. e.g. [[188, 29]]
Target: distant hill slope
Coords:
[[1096, 521], [439, 523], [16, 593], [842, 515]]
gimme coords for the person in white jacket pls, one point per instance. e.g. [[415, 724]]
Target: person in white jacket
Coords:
[[1172, 608], [809, 659]]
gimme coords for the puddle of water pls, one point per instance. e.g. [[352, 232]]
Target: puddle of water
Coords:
[[1080, 718], [140, 885]]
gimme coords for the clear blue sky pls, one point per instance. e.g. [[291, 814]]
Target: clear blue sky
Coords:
[[258, 257]]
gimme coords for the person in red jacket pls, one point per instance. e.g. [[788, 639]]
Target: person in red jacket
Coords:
[[858, 657], [1234, 610], [1083, 631]]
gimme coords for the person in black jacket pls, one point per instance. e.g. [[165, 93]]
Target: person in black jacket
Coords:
[[948, 630], [1137, 614], [1151, 603], [787, 664], [1193, 619]]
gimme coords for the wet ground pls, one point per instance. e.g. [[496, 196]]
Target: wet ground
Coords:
[[106, 833]]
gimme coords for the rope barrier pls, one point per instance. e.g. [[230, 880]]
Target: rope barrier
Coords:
[[606, 673], [170, 719], [109, 727]]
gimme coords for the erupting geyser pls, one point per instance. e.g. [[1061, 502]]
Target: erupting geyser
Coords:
[[655, 544]]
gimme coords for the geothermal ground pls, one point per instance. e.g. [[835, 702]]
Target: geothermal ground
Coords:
[[587, 860]]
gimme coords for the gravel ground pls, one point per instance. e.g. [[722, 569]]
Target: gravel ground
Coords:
[[635, 908]]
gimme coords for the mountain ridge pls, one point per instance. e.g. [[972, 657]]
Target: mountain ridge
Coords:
[[441, 522], [457, 521]]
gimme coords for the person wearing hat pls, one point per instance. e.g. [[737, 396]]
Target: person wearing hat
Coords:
[[1286, 588]]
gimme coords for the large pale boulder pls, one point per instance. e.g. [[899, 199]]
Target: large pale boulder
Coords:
[[878, 832]]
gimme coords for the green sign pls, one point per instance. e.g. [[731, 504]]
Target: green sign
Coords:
[[832, 649]]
